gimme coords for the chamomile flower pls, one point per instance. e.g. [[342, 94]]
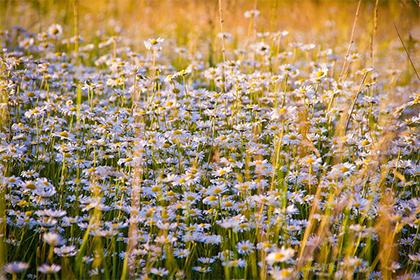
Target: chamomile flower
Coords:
[[15, 267], [375, 275], [280, 255], [353, 57], [225, 35], [53, 239], [159, 271], [235, 263], [154, 44], [181, 253], [414, 257], [205, 260], [49, 269], [262, 48], [66, 251], [319, 74], [55, 31], [252, 14], [281, 274], [202, 269], [245, 247], [279, 34]]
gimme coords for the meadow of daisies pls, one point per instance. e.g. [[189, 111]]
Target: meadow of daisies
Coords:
[[262, 157]]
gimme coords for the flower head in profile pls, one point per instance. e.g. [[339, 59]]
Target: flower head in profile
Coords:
[[201, 269], [55, 31], [54, 239], [353, 57], [49, 269], [283, 274], [225, 35], [66, 251], [279, 34], [15, 267], [251, 13], [235, 263], [154, 44], [159, 271]]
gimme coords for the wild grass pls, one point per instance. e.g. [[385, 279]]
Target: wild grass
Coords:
[[209, 142]]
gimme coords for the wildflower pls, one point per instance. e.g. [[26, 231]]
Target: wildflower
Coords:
[[414, 257], [154, 44], [266, 246], [166, 226], [66, 251], [343, 169], [225, 35], [308, 47], [212, 239], [180, 274], [375, 275], [279, 34], [262, 48], [27, 43], [280, 274], [87, 259], [225, 255], [181, 253], [207, 260], [394, 266], [364, 143], [222, 171], [251, 14], [245, 247], [411, 276], [280, 255], [55, 31], [407, 241], [53, 239], [235, 263], [263, 34], [165, 239], [53, 213], [96, 271], [353, 57], [191, 197], [289, 70], [181, 51], [319, 74], [159, 271], [15, 267], [311, 160], [364, 71], [49, 269], [202, 269]]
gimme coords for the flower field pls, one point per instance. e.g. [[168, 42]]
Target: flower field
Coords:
[[229, 149]]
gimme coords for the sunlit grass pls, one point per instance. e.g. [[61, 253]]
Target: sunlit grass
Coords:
[[144, 152]]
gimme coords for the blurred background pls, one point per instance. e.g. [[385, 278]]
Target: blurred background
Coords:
[[194, 24]]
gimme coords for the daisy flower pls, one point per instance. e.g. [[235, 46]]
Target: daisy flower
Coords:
[[245, 247], [154, 44], [49, 269], [280, 255], [251, 14], [53, 239], [16, 267], [55, 31], [159, 271]]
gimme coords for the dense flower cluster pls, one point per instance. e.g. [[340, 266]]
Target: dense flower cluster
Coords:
[[271, 164]]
